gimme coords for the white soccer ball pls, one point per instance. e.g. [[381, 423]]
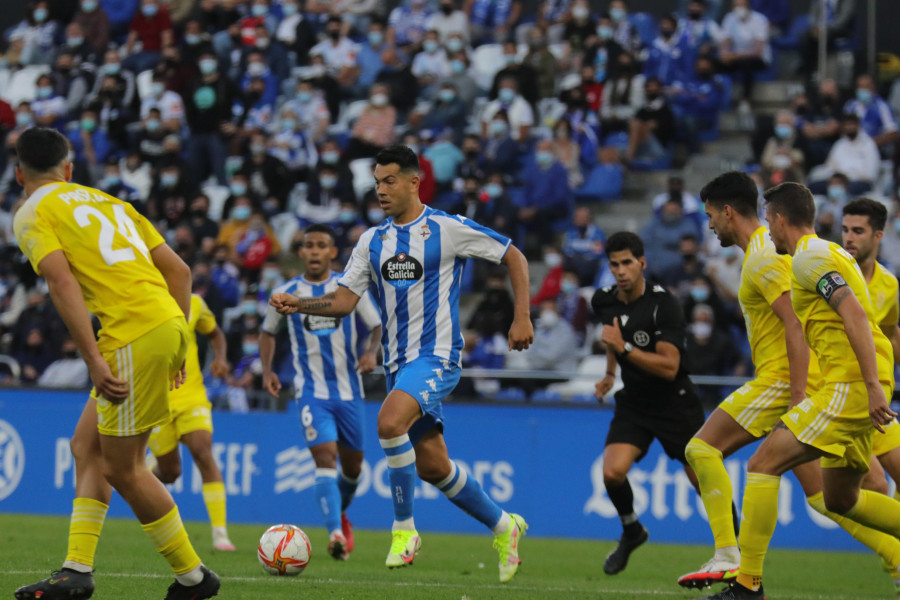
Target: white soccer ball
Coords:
[[283, 550]]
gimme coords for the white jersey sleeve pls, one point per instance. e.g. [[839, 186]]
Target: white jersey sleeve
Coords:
[[368, 312], [471, 240], [273, 320], [358, 272]]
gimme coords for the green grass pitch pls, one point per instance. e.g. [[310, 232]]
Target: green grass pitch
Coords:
[[452, 567]]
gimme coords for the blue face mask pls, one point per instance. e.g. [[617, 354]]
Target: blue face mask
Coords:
[[328, 181], [250, 348], [544, 158], [157, 88], [897, 226], [330, 157], [506, 95], [498, 128], [150, 10], [604, 32], [347, 216], [454, 44], [617, 14], [375, 215], [74, 41], [864, 95], [257, 148], [40, 15], [112, 68], [208, 66], [457, 66], [446, 95], [111, 181], [837, 193], [568, 286], [375, 38], [304, 97], [288, 124], [44, 92], [784, 131], [89, 124], [238, 188], [191, 39], [168, 179], [240, 213], [430, 46], [289, 10], [700, 294], [259, 10], [493, 190], [23, 119], [153, 124], [89, 5]]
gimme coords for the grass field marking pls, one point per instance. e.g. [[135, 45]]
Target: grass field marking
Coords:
[[357, 582]]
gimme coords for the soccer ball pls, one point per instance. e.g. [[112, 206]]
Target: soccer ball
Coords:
[[283, 550]]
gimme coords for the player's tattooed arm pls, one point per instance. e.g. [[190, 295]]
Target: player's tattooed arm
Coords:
[[338, 303]]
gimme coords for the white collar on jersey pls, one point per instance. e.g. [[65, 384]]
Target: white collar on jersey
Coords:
[[413, 222]]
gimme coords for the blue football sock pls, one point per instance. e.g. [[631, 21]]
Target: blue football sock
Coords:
[[401, 459], [466, 493], [329, 498]]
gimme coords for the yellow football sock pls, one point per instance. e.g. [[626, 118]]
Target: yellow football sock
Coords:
[[886, 546], [84, 530], [214, 497], [760, 512], [876, 511], [171, 540], [715, 489]]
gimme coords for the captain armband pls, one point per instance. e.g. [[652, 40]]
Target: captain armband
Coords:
[[829, 283]]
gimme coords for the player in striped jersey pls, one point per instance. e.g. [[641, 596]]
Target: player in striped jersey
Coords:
[[327, 386], [862, 229], [414, 262], [781, 358], [836, 423]]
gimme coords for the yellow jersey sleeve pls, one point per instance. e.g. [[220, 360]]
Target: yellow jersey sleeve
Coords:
[[883, 293], [35, 234], [770, 274], [811, 265], [206, 321]]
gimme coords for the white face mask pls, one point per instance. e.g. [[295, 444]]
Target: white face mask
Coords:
[[548, 318], [552, 260], [379, 99], [702, 330]]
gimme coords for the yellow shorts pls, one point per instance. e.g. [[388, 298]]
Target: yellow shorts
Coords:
[[836, 421], [882, 443], [148, 364], [758, 404], [189, 415]]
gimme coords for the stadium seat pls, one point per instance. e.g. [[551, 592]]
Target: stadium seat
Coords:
[[362, 175], [603, 183], [546, 396], [646, 26], [618, 139], [656, 164], [583, 399], [143, 82], [21, 85], [509, 395], [486, 61]]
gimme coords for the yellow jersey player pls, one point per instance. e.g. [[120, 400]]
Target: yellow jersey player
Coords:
[[191, 423], [100, 256], [862, 229], [782, 362], [829, 296]]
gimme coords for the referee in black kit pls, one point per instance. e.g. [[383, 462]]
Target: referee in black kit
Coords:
[[644, 332]]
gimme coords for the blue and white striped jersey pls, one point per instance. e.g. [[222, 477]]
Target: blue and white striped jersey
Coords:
[[415, 272], [325, 349]]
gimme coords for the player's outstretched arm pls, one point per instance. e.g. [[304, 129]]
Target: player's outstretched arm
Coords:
[[266, 354], [797, 350], [69, 301], [177, 275], [338, 303], [859, 333], [521, 332]]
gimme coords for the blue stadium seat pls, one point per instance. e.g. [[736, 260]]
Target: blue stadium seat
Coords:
[[661, 163], [618, 139], [509, 395], [583, 399], [546, 396], [792, 38], [603, 183], [646, 26]]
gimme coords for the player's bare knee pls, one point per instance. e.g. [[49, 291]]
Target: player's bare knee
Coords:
[[841, 501], [614, 476], [763, 462], [389, 429], [875, 483], [168, 474]]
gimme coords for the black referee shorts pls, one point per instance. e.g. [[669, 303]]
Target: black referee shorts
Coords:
[[638, 426]]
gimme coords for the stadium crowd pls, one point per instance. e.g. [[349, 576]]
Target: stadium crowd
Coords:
[[232, 125]]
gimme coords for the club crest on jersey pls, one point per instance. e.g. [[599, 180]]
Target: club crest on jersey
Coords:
[[321, 326], [402, 270], [425, 231], [641, 338]]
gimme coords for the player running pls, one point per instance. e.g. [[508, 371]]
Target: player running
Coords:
[[414, 261], [782, 361], [100, 256], [829, 296], [328, 387], [644, 332], [190, 422], [862, 229]]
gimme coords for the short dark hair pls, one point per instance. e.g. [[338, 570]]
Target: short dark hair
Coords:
[[322, 228], [734, 188], [794, 201], [840, 177], [399, 155], [41, 149], [850, 118], [866, 207], [625, 240]]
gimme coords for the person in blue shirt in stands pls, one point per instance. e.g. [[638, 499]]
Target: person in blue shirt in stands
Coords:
[[696, 101], [547, 195], [666, 55], [584, 246], [492, 21], [875, 115]]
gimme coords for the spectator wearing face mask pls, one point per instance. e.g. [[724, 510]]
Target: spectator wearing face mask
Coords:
[[68, 371], [697, 101], [374, 129], [34, 357], [700, 33], [830, 207], [368, 57], [269, 177], [548, 198], [521, 72], [554, 341], [501, 152], [169, 103], [624, 32], [492, 21], [875, 115], [709, 351], [745, 45], [679, 278], [171, 195], [152, 27], [662, 236], [572, 306], [579, 28], [90, 144], [339, 52], [311, 109], [224, 276], [602, 52], [623, 95], [407, 24], [460, 77], [783, 158], [487, 204], [255, 246], [431, 64], [445, 112], [48, 108], [396, 75], [819, 113], [449, 21], [653, 127], [291, 145], [667, 56], [122, 87], [855, 155], [552, 282], [583, 247], [94, 22], [37, 33], [325, 197], [519, 114], [569, 153]]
